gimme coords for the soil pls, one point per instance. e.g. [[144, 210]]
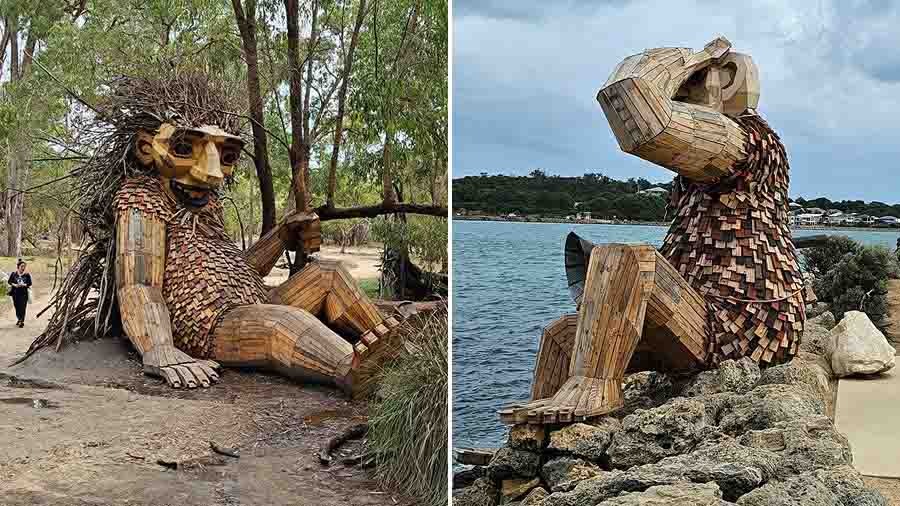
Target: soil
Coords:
[[889, 488], [86, 427]]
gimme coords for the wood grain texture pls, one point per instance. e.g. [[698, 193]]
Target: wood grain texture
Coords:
[[551, 368], [264, 253]]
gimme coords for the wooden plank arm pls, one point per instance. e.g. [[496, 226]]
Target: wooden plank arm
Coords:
[[264, 253]]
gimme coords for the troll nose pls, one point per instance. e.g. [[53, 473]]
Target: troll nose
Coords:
[[208, 168]]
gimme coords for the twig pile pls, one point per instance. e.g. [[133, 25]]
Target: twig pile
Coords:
[[85, 304]]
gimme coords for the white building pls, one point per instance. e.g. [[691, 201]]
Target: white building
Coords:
[[809, 218], [656, 190]]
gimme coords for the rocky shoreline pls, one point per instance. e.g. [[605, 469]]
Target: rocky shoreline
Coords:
[[733, 435]]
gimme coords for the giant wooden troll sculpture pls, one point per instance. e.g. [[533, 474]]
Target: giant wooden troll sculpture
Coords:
[[187, 297], [726, 282]]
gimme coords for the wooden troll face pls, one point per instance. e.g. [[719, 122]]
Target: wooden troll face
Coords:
[[193, 161], [729, 85]]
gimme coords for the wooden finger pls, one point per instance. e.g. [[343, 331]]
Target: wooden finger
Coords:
[[186, 376], [170, 376], [199, 373], [211, 374]]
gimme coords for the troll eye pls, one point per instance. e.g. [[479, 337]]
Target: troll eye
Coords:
[[229, 157], [183, 149]]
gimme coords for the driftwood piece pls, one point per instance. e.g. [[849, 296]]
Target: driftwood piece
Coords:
[[222, 450], [352, 432], [474, 456]]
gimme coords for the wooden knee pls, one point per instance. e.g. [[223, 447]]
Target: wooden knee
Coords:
[[346, 306], [551, 369]]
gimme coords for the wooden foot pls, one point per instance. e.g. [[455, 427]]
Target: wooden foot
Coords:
[[579, 399], [551, 368], [374, 348]]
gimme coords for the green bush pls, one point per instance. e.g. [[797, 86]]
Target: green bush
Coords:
[[408, 426], [821, 259], [858, 282]]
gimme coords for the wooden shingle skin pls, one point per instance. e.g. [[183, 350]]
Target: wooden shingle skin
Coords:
[[732, 242], [205, 274]]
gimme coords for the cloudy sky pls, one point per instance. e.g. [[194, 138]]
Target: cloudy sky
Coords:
[[525, 73]]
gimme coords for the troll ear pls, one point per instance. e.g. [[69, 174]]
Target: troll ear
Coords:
[[143, 147]]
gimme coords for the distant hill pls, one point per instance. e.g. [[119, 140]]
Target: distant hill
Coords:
[[556, 196], [539, 194]]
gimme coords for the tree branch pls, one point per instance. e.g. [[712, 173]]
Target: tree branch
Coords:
[[325, 213]]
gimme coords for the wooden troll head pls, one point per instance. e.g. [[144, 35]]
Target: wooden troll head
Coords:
[[729, 85]]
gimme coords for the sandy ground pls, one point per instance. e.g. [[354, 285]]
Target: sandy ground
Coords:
[[89, 428], [361, 261]]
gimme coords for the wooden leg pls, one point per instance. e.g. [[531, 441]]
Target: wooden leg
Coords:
[[626, 287]]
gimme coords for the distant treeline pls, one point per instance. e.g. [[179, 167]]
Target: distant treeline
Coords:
[[540, 194]]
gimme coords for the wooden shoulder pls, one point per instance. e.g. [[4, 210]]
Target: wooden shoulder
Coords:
[[145, 194]]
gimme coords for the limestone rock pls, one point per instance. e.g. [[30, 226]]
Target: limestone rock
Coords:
[[825, 319], [481, 493], [738, 376], [807, 371], [466, 477], [846, 483], [646, 390], [509, 463], [763, 407], [607, 485], [815, 335], [648, 436], [535, 497], [527, 437], [567, 469], [859, 347], [511, 490], [814, 311], [803, 445], [583, 440], [682, 494], [804, 490]]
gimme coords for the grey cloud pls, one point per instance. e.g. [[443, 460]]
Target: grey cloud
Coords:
[[524, 10]]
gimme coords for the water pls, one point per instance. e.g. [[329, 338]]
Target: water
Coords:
[[508, 283]]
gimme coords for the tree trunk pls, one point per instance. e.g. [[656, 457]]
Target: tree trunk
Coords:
[[342, 97], [246, 22]]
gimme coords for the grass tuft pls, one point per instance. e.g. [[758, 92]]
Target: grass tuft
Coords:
[[408, 426]]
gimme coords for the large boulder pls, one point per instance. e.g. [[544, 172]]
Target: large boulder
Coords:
[[859, 347], [803, 445], [567, 470], [648, 436], [763, 407], [481, 493], [509, 463], [804, 490], [846, 483], [738, 376], [513, 490], [586, 441], [814, 310], [535, 497], [607, 485], [681, 494]]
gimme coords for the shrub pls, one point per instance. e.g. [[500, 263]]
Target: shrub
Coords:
[[858, 281], [408, 427], [821, 259]]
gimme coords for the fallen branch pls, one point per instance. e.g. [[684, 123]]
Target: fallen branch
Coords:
[[352, 432], [221, 450], [325, 213]]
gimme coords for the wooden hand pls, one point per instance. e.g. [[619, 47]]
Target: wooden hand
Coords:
[[178, 369], [301, 228]]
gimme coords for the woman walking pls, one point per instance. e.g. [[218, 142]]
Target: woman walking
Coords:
[[19, 284]]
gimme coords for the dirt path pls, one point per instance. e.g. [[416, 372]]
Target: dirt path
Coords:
[[91, 428]]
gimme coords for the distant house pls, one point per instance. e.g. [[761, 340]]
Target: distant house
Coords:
[[866, 219], [835, 218], [814, 210], [656, 190], [809, 218], [794, 206], [891, 221], [583, 216]]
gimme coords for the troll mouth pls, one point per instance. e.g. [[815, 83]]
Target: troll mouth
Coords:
[[196, 196]]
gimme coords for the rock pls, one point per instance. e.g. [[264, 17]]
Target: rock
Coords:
[[527, 437], [509, 463], [763, 407], [681, 494], [481, 493], [815, 335], [511, 490], [825, 319], [859, 347], [734, 468], [736, 376], [806, 371], [467, 477], [607, 485], [648, 436], [567, 469], [646, 390], [804, 490], [803, 445], [846, 483], [813, 311], [535, 497], [586, 441]]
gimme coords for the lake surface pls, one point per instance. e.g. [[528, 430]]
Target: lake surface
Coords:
[[508, 284]]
